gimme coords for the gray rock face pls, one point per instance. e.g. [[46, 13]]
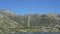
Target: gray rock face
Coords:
[[9, 19]]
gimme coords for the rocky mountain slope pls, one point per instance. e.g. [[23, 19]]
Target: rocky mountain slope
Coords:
[[12, 20], [8, 18]]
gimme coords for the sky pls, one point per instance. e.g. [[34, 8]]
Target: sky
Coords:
[[22, 7]]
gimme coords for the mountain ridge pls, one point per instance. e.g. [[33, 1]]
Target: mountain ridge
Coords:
[[7, 20]]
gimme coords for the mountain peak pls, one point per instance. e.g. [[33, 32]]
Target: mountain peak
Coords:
[[6, 12]]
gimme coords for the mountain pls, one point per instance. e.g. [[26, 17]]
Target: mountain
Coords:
[[5, 20], [12, 20]]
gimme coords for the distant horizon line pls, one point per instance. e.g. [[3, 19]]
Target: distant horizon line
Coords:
[[29, 13]]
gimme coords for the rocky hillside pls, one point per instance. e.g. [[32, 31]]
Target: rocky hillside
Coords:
[[9, 19], [12, 20]]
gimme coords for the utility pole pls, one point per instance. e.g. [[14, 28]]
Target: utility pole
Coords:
[[28, 18]]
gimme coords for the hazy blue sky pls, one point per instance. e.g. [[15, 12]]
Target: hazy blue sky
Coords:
[[31, 6]]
